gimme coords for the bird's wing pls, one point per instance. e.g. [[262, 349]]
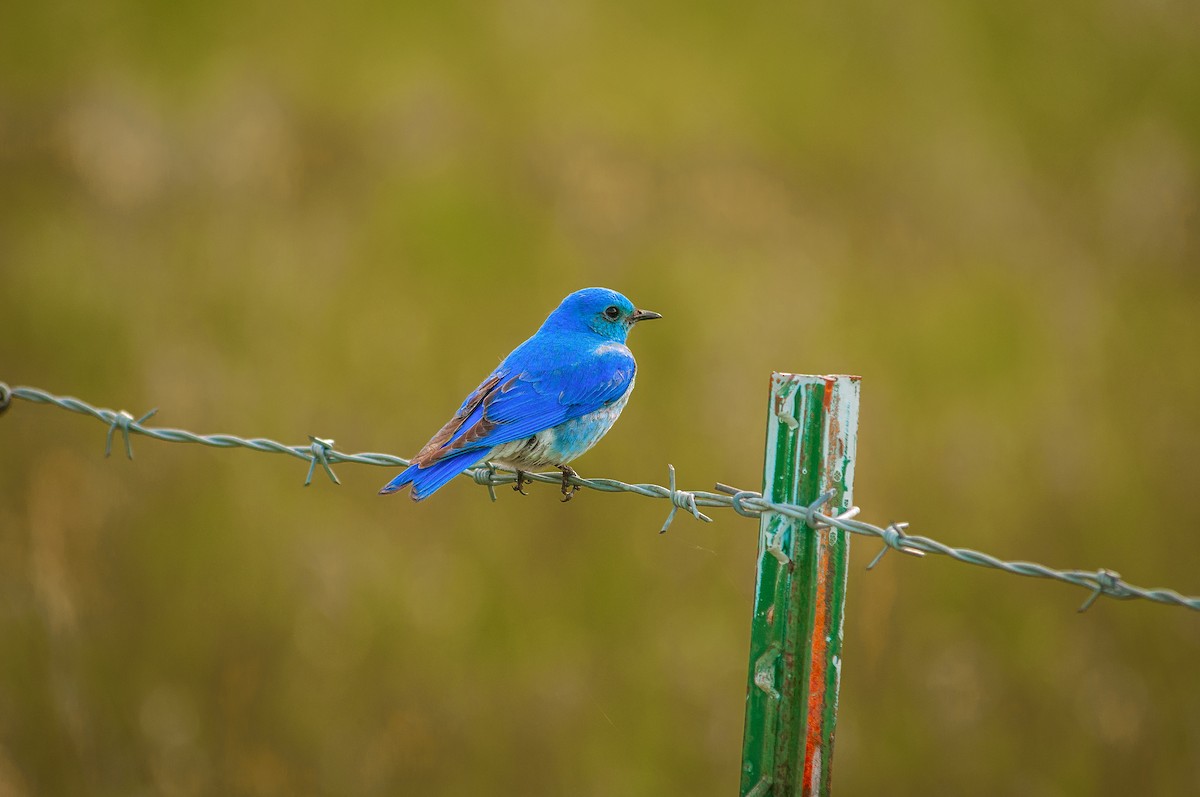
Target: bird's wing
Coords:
[[511, 404], [463, 420]]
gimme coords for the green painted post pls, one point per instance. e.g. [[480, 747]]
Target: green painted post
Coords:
[[800, 593]]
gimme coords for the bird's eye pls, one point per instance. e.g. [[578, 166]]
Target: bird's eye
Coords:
[[612, 312]]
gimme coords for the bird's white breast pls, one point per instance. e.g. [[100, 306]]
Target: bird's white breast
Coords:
[[611, 346], [563, 443]]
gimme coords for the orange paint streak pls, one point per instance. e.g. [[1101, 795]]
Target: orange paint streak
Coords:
[[820, 634], [816, 678]]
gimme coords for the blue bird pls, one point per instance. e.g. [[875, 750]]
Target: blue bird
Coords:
[[547, 403]]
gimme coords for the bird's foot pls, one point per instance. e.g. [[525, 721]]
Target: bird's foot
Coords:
[[568, 489], [521, 482]]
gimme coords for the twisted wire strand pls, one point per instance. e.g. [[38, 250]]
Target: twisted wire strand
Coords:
[[748, 503]]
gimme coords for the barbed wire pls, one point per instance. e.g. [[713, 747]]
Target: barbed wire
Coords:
[[748, 503]]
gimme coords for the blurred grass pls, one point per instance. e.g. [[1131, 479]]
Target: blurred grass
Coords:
[[278, 220]]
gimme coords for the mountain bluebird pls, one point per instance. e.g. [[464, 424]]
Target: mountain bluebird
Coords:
[[547, 403]]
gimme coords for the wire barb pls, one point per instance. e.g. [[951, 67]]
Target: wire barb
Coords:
[[681, 499], [124, 421], [744, 502], [485, 474], [1108, 582], [893, 538], [319, 452]]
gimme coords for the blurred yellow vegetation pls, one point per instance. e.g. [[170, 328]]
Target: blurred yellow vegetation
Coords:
[[290, 220]]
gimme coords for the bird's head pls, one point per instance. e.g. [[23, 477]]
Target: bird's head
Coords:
[[605, 312]]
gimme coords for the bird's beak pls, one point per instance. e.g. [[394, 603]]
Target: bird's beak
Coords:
[[644, 315]]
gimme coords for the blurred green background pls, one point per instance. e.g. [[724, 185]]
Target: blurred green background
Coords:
[[283, 220]]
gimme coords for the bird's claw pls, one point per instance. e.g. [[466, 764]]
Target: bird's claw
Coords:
[[568, 489], [521, 482]]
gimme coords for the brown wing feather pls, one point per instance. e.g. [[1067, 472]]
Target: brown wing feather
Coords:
[[436, 448]]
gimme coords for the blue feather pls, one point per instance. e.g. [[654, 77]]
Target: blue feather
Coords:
[[426, 481]]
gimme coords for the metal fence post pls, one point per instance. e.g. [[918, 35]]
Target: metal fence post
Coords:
[[800, 592]]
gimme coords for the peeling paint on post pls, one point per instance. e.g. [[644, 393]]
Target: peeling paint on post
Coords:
[[800, 591]]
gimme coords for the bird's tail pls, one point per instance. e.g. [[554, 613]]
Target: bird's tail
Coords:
[[429, 479]]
